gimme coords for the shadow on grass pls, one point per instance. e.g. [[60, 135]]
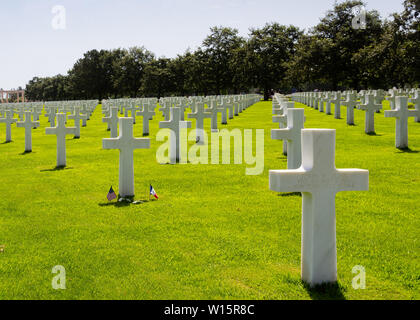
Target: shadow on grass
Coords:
[[57, 169], [6, 142], [374, 134], [327, 291], [26, 153], [290, 194], [122, 204], [116, 204], [406, 150]]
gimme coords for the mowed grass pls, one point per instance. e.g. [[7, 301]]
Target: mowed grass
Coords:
[[215, 233]]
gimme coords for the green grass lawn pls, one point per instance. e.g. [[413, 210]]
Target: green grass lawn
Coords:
[[215, 233]]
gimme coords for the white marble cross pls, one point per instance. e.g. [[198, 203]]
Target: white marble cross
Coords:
[[282, 120], [175, 124], [147, 115], [401, 113], [51, 114], [328, 104], [391, 98], [229, 103], [84, 112], [77, 117], [322, 101], [126, 144], [199, 117], [28, 124], [132, 108], [112, 121], [416, 101], [60, 130], [166, 110], [336, 99], [370, 107], [292, 134], [36, 112], [8, 120], [214, 110], [236, 106], [319, 181], [350, 104]]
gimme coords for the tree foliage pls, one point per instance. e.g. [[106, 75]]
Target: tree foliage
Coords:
[[332, 55]]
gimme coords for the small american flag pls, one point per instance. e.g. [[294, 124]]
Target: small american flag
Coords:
[[111, 194]]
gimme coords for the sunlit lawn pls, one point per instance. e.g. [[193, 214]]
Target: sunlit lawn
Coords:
[[215, 233]]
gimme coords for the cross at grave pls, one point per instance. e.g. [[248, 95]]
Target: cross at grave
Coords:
[[241, 104], [322, 101], [401, 113], [21, 113], [319, 181], [229, 103], [126, 143], [316, 100], [175, 124], [328, 104], [379, 97], [214, 110], [28, 124], [166, 110], [282, 120], [223, 110], [370, 107], [336, 100], [295, 124], [132, 108], [51, 113], [350, 103], [236, 106], [8, 120], [112, 121], [106, 112], [183, 107], [77, 117], [147, 116], [84, 112], [391, 99], [199, 117], [416, 101], [193, 105], [60, 130], [36, 112]]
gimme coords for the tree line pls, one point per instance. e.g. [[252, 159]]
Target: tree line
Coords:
[[333, 55]]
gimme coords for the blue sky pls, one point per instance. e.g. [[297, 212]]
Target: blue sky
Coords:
[[31, 47]]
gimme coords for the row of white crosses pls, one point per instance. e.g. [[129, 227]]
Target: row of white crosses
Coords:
[[25, 111], [60, 129], [371, 103], [313, 173], [144, 107], [169, 108], [80, 111], [35, 109], [126, 143]]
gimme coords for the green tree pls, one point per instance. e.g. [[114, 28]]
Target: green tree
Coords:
[[129, 70], [270, 48], [219, 47], [157, 80]]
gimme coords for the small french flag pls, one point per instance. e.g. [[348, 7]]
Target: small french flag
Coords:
[[153, 192]]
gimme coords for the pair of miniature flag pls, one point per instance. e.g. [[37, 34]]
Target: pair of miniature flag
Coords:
[[111, 194]]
